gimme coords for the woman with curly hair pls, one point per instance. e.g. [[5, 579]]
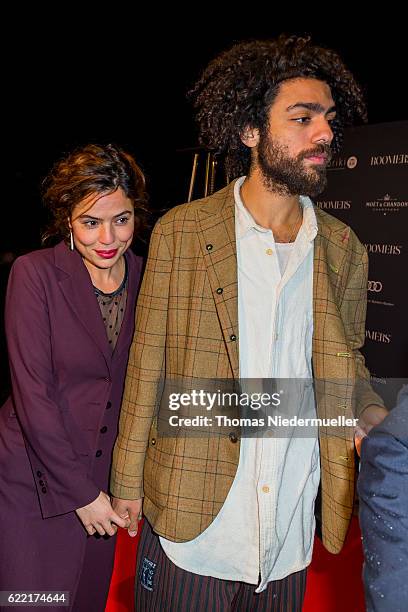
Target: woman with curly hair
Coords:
[[69, 322], [259, 284]]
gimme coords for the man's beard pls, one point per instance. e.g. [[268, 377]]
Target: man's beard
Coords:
[[288, 175]]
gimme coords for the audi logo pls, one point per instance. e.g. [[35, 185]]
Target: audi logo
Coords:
[[375, 286]]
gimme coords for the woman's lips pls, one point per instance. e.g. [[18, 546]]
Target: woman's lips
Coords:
[[107, 254]]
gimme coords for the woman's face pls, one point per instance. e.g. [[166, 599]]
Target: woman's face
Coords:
[[102, 228]]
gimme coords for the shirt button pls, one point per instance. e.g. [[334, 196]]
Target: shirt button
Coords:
[[233, 437], [39, 474], [108, 405], [269, 251], [265, 489], [153, 442], [44, 490], [42, 483], [209, 247], [104, 429], [220, 290], [233, 337], [98, 453]]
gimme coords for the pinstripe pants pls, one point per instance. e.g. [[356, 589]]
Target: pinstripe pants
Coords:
[[161, 586]]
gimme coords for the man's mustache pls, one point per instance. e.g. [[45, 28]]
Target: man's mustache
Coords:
[[318, 150]]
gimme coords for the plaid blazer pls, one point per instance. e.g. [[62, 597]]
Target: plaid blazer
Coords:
[[186, 328]]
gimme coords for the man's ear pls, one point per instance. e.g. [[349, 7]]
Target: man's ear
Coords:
[[250, 136]]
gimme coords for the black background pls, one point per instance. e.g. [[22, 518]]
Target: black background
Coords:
[[78, 74], [122, 75]]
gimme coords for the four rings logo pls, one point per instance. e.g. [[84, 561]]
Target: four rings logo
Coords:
[[374, 286]]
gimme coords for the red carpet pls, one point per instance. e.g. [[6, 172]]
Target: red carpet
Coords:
[[120, 597], [333, 584]]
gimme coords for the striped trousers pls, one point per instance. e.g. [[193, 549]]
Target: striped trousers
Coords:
[[161, 586]]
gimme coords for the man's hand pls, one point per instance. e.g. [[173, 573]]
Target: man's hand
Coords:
[[130, 510], [99, 515], [369, 418]]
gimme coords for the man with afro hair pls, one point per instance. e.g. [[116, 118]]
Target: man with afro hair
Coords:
[[253, 282]]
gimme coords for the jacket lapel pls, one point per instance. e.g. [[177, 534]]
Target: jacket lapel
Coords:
[[76, 285], [216, 231], [331, 353]]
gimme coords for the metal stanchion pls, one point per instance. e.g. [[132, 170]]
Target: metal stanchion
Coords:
[[209, 172], [193, 177]]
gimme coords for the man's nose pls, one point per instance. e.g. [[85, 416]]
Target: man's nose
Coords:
[[323, 133]]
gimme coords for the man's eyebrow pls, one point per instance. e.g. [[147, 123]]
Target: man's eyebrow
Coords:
[[315, 107]]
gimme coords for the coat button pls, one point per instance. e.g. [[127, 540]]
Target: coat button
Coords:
[[209, 247], [220, 290], [42, 483], [108, 405], [39, 474], [233, 437], [233, 337], [44, 490], [104, 429], [153, 441], [98, 453]]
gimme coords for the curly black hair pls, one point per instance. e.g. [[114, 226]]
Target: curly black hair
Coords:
[[237, 88]]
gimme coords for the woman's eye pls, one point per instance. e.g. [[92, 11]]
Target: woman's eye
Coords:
[[122, 220], [90, 223]]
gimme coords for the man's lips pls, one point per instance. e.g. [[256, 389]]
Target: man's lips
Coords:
[[107, 254], [318, 159]]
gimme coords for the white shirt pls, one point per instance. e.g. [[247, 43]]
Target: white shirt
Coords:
[[266, 526]]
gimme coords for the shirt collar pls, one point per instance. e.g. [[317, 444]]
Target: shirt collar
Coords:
[[245, 221]]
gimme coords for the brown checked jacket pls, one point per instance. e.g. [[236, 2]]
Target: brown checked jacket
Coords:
[[187, 327]]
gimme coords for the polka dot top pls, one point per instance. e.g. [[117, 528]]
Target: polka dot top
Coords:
[[113, 307]]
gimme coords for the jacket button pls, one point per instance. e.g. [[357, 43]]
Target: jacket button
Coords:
[[98, 453], [108, 405], [233, 337], [42, 483], [39, 474], [233, 437], [153, 441], [44, 490], [220, 290], [104, 429], [209, 247]]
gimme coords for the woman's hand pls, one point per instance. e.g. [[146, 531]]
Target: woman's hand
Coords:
[[100, 517]]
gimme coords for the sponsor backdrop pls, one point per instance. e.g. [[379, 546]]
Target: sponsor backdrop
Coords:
[[368, 190]]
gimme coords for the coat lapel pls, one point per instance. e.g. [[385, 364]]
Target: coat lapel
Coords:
[[76, 285], [331, 353], [216, 231]]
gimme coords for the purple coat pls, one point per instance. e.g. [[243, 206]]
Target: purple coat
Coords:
[[58, 429]]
